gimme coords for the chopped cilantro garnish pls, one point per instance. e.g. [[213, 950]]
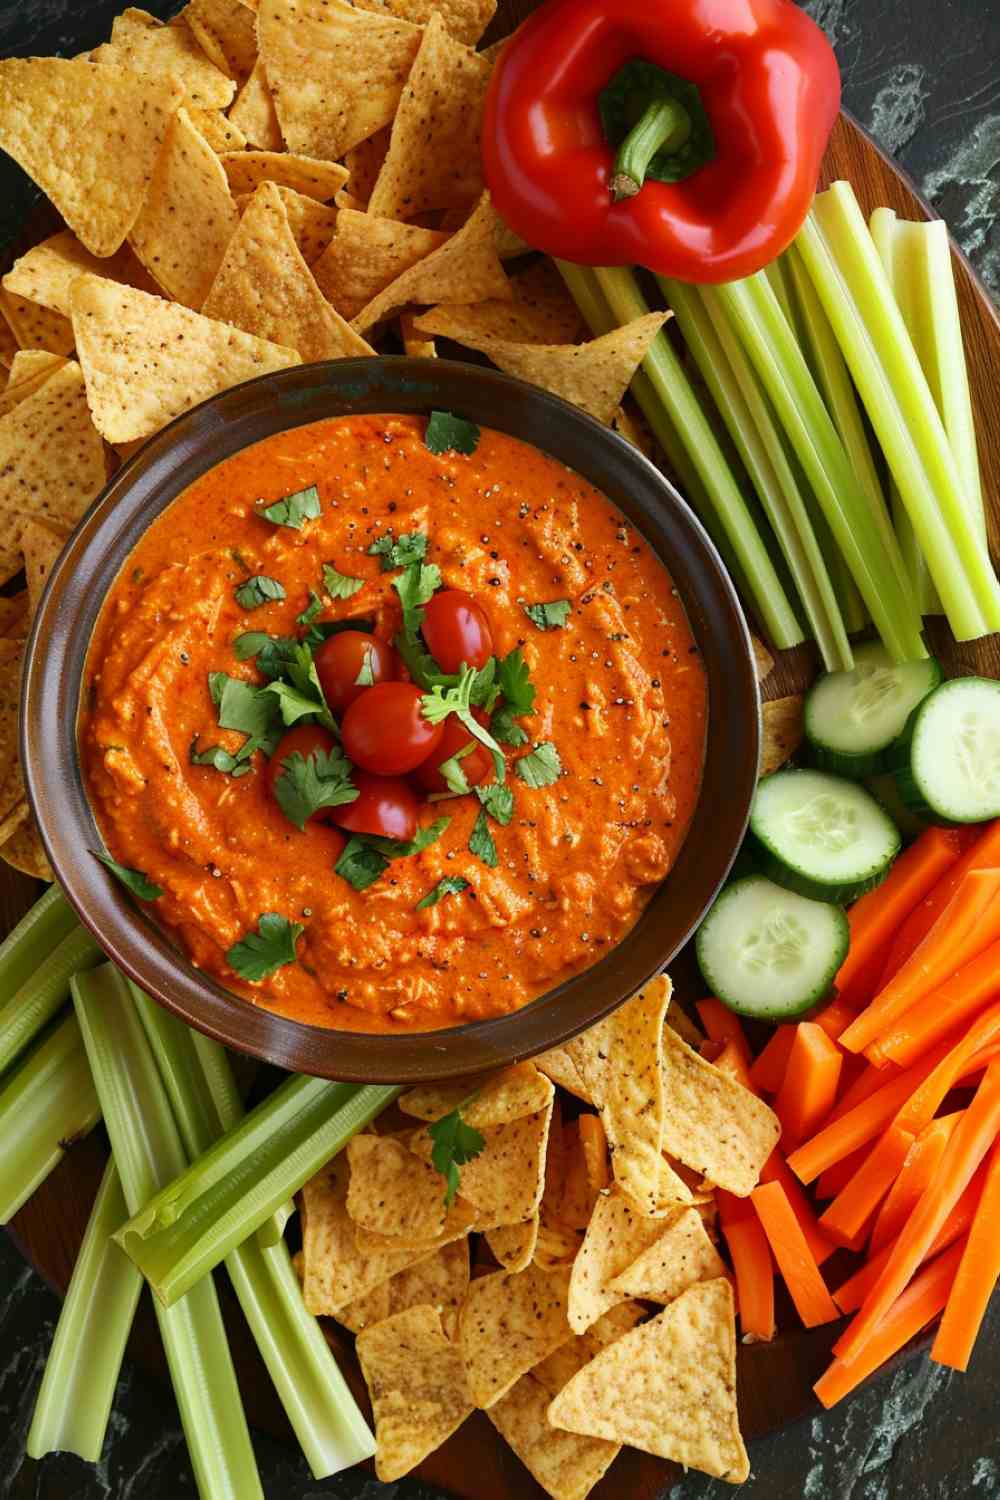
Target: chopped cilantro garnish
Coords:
[[272, 946], [515, 682], [221, 760], [259, 590], [399, 552], [248, 710], [339, 585], [481, 842], [505, 728], [311, 610], [367, 856], [451, 770], [301, 695], [307, 783], [139, 884], [450, 434], [548, 616], [366, 676], [541, 766], [448, 885], [440, 702], [455, 1144], [294, 510], [498, 800], [415, 586]]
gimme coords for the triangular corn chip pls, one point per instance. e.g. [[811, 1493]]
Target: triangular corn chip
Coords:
[[142, 44], [783, 725], [227, 34], [364, 162], [265, 287], [433, 159], [616, 1235], [682, 1256], [367, 254], [31, 368], [246, 170], [254, 114], [511, 1321], [513, 1245], [37, 327], [12, 794], [558, 1065], [14, 616], [559, 1367], [466, 20], [40, 546], [108, 122], [217, 129], [8, 343], [312, 224], [566, 1465], [392, 1191], [763, 660], [504, 1182], [668, 1387], [500, 1098], [46, 273], [414, 344], [145, 360], [335, 73], [540, 311], [712, 1123], [25, 851], [364, 1311], [441, 1279]]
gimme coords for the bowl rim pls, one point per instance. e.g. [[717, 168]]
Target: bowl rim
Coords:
[[59, 643]]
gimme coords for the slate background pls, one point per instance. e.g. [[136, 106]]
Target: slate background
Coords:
[[924, 76]]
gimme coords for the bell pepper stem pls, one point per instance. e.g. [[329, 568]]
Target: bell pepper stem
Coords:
[[664, 125]]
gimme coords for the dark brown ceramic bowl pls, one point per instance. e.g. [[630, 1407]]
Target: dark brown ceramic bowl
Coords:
[[141, 491]]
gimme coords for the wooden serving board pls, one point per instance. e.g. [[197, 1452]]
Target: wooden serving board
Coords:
[[775, 1380]]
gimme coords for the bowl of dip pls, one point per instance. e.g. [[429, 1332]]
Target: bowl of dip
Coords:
[[172, 666]]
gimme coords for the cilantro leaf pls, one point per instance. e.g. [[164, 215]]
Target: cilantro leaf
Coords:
[[366, 856], [294, 510], [221, 760], [541, 766], [498, 800], [248, 710], [548, 616], [440, 702], [272, 946], [273, 652], [450, 434], [302, 695], [455, 1143], [451, 770], [515, 682], [323, 629], [505, 728], [307, 783], [259, 590], [339, 585], [448, 885], [366, 676], [410, 547], [415, 586], [481, 842], [134, 880], [216, 686], [311, 610]]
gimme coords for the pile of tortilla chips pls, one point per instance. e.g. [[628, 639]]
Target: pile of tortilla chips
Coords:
[[573, 1289], [256, 184]]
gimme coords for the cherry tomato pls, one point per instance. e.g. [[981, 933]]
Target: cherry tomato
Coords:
[[385, 804], [341, 660], [456, 630], [304, 741], [476, 765], [385, 732]]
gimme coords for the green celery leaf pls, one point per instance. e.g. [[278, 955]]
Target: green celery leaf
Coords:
[[399, 552], [481, 842], [450, 434], [272, 946], [294, 510], [307, 783], [259, 590], [448, 885], [139, 884], [339, 585], [541, 766], [548, 616]]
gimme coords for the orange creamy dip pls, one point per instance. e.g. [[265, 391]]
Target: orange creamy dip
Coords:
[[620, 691]]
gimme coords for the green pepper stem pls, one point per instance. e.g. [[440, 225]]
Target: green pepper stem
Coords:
[[665, 125]]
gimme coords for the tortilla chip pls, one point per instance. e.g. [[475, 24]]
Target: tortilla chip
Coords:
[[41, 545], [557, 1245], [619, 1061], [616, 1235], [226, 32], [566, 1465], [46, 273], [366, 255], [466, 20], [30, 369], [763, 659], [594, 1145], [672, 1190], [440, 1280], [8, 343], [153, 51], [52, 461], [459, 1220], [254, 114], [500, 1098], [465, 268], [364, 162], [629, 424], [365, 1311], [668, 1387], [682, 1256], [413, 345], [335, 72], [578, 1196], [12, 794], [433, 159], [540, 311], [19, 814], [513, 1245], [146, 361], [37, 327], [312, 223], [712, 1123], [563, 1363], [685, 1027], [393, 1192], [783, 725], [417, 1387], [108, 121], [217, 129], [265, 287], [14, 615], [511, 1321], [558, 1065], [26, 852], [246, 171], [504, 1182]]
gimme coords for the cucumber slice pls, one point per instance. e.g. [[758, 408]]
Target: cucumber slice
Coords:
[[768, 953], [886, 793], [851, 718], [947, 764], [822, 836]]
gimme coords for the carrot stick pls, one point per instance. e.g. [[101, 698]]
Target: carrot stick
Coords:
[[775, 1169], [751, 1257], [972, 1139], [731, 1060], [856, 1203], [925, 1101], [918, 1172], [967, 925], [836, 1017], [867, 1082], [862, 1123], [798, 1268], [957, 1000], [977, 1276], [876, 917], [921, 1302], [810, 1084], [835, 1178], [723, 1026], [983, 853], [768, 1070]]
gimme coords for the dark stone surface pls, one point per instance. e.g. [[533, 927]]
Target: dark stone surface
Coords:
[[924, 75]]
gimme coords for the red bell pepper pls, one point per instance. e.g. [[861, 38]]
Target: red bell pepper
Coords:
[[681, 135]]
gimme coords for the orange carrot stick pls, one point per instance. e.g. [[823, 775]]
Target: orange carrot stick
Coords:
[[835, 1017], [921, 1302], [983, 853], [810, 1084], [769, 1067], [798, 1268], [918, 1172], [959, 999], [968, 924], [876, 917], [925, 1101], [977, 1276], [835, 1178], [972, 1139], [775, 1169], [723, 1026], [751, 1257], [731, 1060], [867, 1082], [856, 1203]]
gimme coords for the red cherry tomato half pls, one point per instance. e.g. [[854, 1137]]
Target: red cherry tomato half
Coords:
[[456, 630], [385, 805], [476, 765], [304, 741], [385, 732], [343, 658]]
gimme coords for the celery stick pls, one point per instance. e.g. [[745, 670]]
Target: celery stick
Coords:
[[32, 940], [46, 1102], [847, 273], [744, 409], [330, 1428], [189, 1226], [148, 1152], [81, 1372], [43, 994], [873, 559]]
